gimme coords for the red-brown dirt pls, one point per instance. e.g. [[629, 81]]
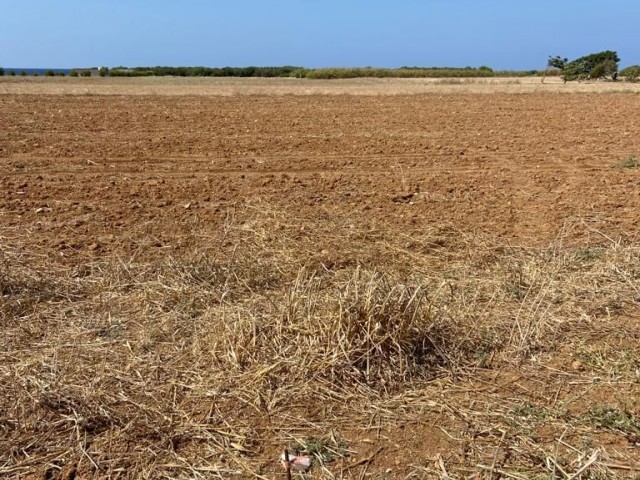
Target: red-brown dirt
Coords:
[[82, 171], [86, 179]]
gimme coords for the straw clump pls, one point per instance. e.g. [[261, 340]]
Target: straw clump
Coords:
[[190, 358]]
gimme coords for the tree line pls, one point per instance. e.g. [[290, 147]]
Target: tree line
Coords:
[[601, 65], [291, 72], [316, 73]]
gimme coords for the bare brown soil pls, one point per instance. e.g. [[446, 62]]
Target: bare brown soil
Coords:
[[519, 167], [508, 210]]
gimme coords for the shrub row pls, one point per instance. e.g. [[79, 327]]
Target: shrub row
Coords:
[[321, 73], [285, 71], [586, 67], [411, 72]]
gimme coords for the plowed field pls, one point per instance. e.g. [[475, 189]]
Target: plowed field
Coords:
[[417, 286]]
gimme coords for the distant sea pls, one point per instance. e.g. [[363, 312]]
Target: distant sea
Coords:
[[39, 71]]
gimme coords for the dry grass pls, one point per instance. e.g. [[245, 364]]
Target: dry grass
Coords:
[[291, 86], [201, 366]]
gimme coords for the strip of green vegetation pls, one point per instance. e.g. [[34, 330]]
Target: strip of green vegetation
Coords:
[[286, 71], [601, 65], [415, 72], [609, 418], [320, 73], [300, 72]]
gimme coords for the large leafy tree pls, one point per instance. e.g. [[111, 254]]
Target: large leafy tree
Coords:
[[596, 65]]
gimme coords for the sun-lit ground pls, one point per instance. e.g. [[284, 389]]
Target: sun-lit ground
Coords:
[[403, 286], [277, 86]]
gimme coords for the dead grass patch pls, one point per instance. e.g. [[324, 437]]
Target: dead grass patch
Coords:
[[201, 365], [178, 86]]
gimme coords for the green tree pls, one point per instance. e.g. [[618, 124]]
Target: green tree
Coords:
[[596, 65], [1, 72], [73, 73], [50, 73]]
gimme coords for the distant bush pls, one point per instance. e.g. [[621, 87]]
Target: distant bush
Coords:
[[1, 72], [86, 73], [23, 73], [73, 73], [632, 74], [103, 71], [50, 73], [12, 73]]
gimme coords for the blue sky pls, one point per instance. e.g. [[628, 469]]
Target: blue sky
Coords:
[[504, 34]]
